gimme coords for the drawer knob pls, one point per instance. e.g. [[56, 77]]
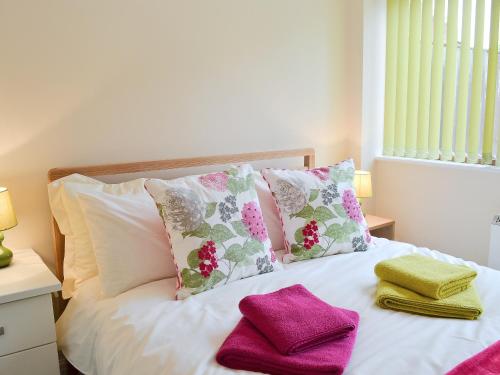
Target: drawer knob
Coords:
[[1, 331]]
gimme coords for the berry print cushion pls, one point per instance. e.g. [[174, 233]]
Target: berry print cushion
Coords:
[[216, 228], [319, 211]]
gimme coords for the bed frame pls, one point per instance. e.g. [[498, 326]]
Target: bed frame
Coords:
[[157, 165]]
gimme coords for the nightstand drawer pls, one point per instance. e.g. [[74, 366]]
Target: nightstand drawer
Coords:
[[41, 360], [26, 323]]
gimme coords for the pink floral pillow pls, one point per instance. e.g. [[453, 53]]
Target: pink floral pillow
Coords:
[[216, 228], [319, 210]]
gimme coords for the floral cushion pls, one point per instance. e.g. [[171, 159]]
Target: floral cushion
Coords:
[[319, 210], [216, 228]]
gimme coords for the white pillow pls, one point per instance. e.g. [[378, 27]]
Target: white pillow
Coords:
[[79, 260], [129, 240], [270, 212], [73, 271]]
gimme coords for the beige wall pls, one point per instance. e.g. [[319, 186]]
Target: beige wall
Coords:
[[84, 82]]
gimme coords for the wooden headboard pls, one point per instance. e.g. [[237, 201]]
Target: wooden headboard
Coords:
[[158, 165]]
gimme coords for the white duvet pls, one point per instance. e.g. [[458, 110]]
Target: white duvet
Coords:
[[145, 331]]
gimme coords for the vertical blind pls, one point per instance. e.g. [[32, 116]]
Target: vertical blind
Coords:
[[441, 88]]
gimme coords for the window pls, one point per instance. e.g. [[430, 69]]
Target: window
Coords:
[[441, 80]]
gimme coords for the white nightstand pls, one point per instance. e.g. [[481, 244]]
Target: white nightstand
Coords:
[[27, 332]]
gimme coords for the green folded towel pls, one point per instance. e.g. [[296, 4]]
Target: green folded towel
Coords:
[[425, 275], [465, 305]]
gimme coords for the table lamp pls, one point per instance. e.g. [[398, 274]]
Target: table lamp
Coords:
[[7, 220], [363, 185]]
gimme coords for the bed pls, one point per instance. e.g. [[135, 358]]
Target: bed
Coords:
[[146, 331]]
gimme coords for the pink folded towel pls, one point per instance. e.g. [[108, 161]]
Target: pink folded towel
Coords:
[[294, 320], [486, 362], [247, 349]]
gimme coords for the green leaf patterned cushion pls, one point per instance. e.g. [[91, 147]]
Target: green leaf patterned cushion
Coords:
[[319, 211], [216, 228]]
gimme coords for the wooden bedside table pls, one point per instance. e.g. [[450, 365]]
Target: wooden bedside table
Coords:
[[381, 227], [27, 330]]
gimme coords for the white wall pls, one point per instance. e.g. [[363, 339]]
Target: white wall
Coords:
[[440, 205], [85, 82], [374, 19], [372, 131]]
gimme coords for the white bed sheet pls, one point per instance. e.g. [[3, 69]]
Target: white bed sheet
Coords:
[[145, 331]]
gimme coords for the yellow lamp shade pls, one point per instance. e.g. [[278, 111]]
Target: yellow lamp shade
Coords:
[[363, 184], [7, 216]]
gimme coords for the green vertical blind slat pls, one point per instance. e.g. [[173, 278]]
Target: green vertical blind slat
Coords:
[[450, 81], [413, 78], [402, 77], [390, 76], [477, 81], [463, 83], [434, 94], [491, 84], [436, 79], [425, 81]]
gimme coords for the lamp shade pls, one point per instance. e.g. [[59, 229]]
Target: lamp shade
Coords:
[[7, 216], [363, 184]]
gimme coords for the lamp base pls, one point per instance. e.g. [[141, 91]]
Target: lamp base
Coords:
[[5, 254], [360, 201]]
